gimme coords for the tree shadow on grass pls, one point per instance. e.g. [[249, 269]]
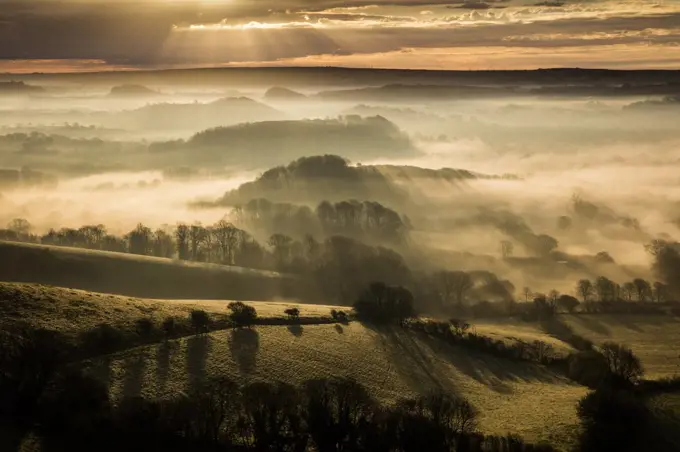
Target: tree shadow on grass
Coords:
[[494, 372], [198, 348], [409, 362], [632, 322], [164, 353], [295, 330], [133, 381], [592, 324], [244, 344]]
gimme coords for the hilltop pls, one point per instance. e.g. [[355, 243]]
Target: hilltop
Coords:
[[195, 116]]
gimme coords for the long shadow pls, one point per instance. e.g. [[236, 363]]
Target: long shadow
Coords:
[[198, 348], [244, 344], [295, 330], [163, 355], [490, 370], [592, 324], [417, 371], [628, 321], [101, 369], [556, 328], [135, 366]]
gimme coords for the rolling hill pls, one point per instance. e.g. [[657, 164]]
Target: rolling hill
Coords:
[[137, 276], [654, 338], [392, 363]]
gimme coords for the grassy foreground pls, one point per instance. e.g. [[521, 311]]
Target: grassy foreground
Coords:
[[512, 397]]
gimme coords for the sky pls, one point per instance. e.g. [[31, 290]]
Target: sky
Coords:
[[88, 35]]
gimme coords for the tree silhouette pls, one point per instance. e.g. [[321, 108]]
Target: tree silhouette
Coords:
[[642, 289], [585, 289]]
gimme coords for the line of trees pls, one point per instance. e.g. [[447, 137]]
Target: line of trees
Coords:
[[352, 218], [221, 243]]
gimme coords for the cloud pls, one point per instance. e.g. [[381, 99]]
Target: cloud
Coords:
[[158, 33]]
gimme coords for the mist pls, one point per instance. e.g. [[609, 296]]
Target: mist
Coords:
[[593, 169]]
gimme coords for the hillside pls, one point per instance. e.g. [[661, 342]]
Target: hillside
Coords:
[[72, 312], [654, 338], [137, 276], [196, 116], [391, 364]]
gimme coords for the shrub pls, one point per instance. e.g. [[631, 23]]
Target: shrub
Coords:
[[293, 314], [242, 314], [588, 368], [339, 316], [612, 420], [460, 327], [622, 362], [567, 303], [381, 303], [200, 321]]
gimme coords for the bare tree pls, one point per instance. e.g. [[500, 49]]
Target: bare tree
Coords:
[[182, 238], [226, 235], [660, 291], [628, 290], [585, 289], [280, 245], [622, 362], [197, 235], [642, 289], [20, 225]]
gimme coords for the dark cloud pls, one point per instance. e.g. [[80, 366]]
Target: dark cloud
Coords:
[[144, 34]]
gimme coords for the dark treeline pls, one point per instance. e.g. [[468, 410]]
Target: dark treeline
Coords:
[[66, 409], [363, 220], [338, 267], [220, 243]]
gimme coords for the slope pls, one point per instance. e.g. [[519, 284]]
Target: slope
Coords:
[[390, 363], [137, 276], [654, 338]]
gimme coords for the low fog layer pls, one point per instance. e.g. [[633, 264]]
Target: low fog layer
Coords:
[[539, 185]]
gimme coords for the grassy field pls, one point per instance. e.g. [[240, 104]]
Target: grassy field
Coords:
[[654, 338], [72, 311], [391, 364], [137, 276]]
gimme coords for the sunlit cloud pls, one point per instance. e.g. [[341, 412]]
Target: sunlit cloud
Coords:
[[162, 34]]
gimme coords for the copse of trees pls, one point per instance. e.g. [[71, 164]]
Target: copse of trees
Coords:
[[382, 304], [352, 218]]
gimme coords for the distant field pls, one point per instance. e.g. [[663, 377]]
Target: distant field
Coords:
[[137, 276], [654, 338], [391, 364]]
